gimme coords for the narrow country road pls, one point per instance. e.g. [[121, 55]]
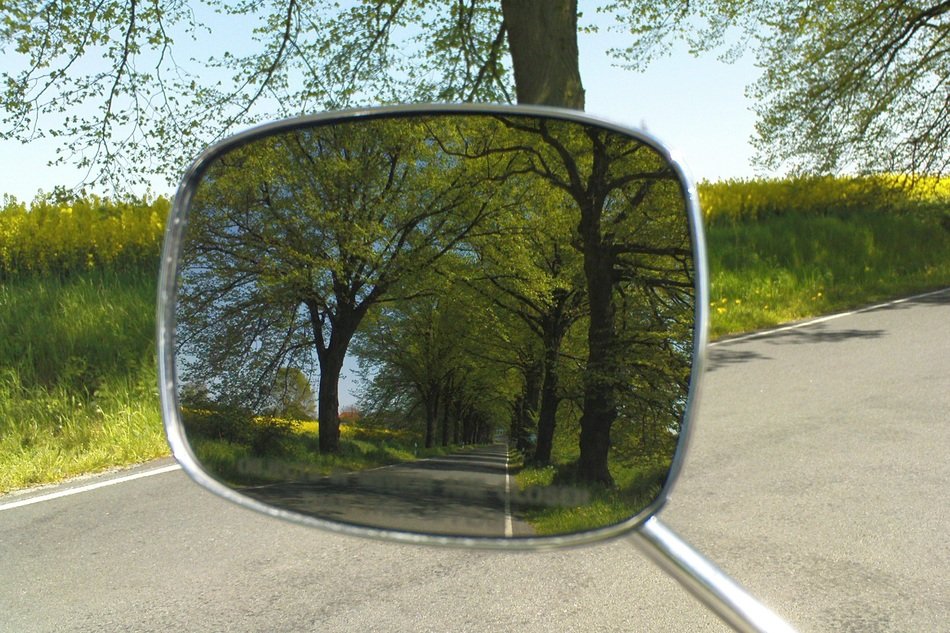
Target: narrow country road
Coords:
[[817, 477], [466, 493]]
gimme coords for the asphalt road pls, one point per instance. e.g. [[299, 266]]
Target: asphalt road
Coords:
[[817, 477], [464, 493]]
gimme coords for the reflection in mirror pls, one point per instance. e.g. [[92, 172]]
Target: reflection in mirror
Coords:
[[461, 324]]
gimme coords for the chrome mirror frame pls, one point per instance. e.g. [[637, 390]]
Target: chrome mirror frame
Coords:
[[168, 380]]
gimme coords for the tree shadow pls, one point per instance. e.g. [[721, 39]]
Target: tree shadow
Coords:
[[937, 298], [818, 333], [719, 357]]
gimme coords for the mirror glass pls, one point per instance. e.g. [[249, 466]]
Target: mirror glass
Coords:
[[457, 324]]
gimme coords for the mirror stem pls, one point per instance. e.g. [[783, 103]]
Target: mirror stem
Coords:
[[705, 581]]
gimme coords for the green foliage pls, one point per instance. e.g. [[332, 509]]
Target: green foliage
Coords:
[[292, 395], [854, 85], [259, 434], [352, 213], [77, 389], [154, 87], [847, 85]]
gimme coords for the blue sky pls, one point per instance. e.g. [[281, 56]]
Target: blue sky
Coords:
[[697, 106]]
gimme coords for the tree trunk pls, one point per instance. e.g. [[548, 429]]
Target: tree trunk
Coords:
[[328, 400], [331, 364], [529, 408], [600, 406], [446, 415], [432, 412], [468, 428], [457, 421], [516, 418], [547, 413], [542, 38]]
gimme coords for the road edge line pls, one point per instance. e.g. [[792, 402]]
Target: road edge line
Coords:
[[823, 319], [88, 487], [509, 530]]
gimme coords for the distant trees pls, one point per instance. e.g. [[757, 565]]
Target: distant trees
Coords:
[[426, 359], [292, 396]]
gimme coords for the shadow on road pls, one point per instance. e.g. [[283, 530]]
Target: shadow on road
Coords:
[[462, 493], [819, 333], [939, 298], [723, 355], [719, 357]]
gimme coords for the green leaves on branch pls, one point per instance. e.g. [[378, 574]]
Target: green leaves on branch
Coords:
[[846, 85], [135, 89]]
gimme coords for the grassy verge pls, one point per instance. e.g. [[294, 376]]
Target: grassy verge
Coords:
[[788, 267], [77, 375], [274, 450], [635, 488]]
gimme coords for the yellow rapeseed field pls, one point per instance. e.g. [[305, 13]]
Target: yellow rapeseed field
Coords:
[[58, 238]]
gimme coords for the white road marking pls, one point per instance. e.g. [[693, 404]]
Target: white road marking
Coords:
[[830, 317], [509, 532], [87, 488]]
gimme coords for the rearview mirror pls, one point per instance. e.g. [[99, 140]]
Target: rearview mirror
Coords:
[[435, 323]]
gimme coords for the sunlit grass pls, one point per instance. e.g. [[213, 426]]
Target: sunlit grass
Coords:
[[48, 434], [77, 376], [635, 487], [789, 267], [296, 455]]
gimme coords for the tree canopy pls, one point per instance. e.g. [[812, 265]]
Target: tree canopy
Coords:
[[132, 89]]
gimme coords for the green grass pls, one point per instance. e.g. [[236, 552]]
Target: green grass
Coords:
[[77, 375], [296, 456], [788, 267], [637, 481], [636, 486]]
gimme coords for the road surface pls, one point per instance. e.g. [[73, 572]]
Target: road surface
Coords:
[[817, 477], [463, 493]]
